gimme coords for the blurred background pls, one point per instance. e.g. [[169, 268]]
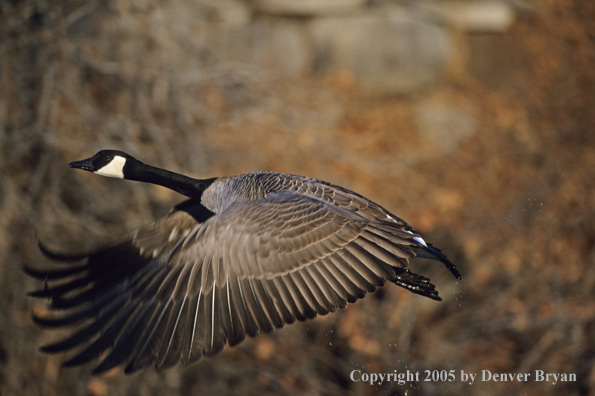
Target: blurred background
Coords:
[[472, 120]]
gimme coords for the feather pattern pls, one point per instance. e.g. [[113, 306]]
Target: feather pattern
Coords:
[[248, 255]]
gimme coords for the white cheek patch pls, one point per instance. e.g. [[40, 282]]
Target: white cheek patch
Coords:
[[115, 168]]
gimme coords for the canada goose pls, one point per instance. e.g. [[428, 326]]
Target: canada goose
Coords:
[[245, 254]]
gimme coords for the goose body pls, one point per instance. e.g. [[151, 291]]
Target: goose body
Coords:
[[243, 255]]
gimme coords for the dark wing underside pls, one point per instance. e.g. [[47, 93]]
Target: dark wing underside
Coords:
[[185, 286]]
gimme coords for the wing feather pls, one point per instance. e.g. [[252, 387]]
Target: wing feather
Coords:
[[276, 294], [183, 287], [333, 289]]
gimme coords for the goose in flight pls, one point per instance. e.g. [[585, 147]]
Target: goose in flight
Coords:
[[243, 255]]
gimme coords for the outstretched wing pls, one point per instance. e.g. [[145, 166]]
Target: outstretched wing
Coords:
[[184, 286]]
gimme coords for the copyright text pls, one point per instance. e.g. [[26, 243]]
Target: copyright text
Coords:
[[402, 377]]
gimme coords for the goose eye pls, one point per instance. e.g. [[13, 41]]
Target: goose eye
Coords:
[[102, 159]]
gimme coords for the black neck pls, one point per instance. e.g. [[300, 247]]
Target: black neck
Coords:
[[185, 185]]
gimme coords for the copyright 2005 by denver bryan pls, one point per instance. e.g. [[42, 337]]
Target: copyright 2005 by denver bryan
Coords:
[[413, 376]]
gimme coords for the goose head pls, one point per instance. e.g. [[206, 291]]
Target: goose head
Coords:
[[118, 164], [110, 163]]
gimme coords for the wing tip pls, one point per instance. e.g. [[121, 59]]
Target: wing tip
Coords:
[[433, 253]]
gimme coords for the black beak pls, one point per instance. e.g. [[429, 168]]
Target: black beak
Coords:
[[86, 164]]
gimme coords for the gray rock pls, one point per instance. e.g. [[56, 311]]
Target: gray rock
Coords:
[[389, 50], [281, 44], [489, 16], [227, 29], [308, 7]]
